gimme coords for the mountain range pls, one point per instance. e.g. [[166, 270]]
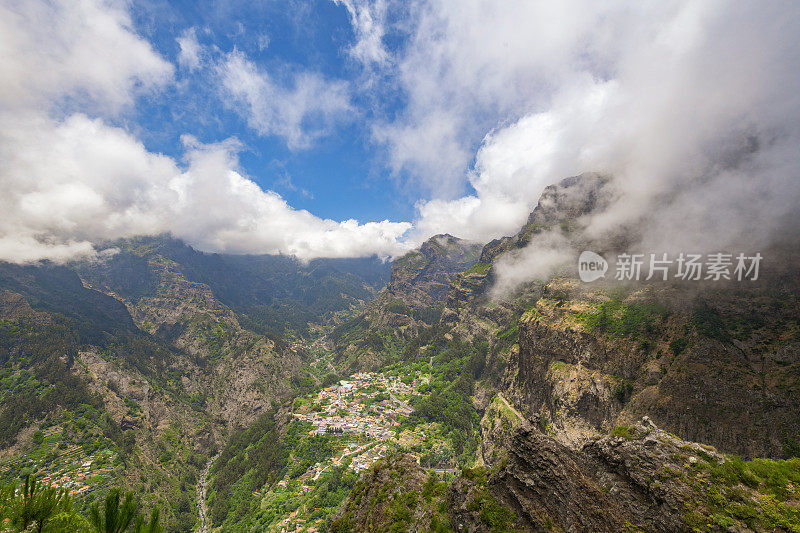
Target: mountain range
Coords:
[[552, 405]]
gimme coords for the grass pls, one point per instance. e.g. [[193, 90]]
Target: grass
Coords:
[[622, 431], [764, 494], [617, 319], [479, 268]]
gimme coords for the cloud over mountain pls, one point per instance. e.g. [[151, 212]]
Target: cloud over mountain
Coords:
[[694, 109], [71, 177]]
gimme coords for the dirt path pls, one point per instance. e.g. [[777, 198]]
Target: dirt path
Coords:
[[508, 404], [202, 488]]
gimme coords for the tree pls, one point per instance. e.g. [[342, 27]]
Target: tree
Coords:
[[37, 508], [150, 527], [115, 518]]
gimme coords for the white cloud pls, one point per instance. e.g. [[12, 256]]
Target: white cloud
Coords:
[[693, 107], [190, 52], [367, 18], [70, 180], [81, 181], [471, 66], [219, 209], [73, 48], [548, 252], [301, 112]]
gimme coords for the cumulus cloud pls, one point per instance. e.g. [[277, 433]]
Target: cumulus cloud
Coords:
[[80, 181], [219, 209], [70, 179], [301, 112], [471, 66], [693, 108], [80, 48]]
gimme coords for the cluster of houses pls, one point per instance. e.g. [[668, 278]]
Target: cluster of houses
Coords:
[[363, 461], [73, 481], [351, 406], [289, 525], [342, 410]]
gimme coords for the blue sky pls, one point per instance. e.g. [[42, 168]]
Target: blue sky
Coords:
[[339, 176]]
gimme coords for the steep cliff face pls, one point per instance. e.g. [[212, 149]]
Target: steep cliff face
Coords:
[[561, 207], [638, 478], [716, 366], [641, 479], [421, 280], [715, 363], [560, 211], [422, 277], [412, 300]]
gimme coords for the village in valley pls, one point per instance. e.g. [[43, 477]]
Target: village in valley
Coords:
[[364, 410], [369, 404]]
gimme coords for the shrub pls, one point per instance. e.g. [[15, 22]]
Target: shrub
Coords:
[[677, 346], [622, 431]]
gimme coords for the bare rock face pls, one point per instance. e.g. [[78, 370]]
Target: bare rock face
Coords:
[[420, 279], [560, 209], [236, 371], [616, 483], [561, 203], [692, 371]]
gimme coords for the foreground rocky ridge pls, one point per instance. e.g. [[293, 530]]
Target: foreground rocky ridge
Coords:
[[639, 478]]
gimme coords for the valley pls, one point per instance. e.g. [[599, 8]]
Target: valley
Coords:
[[258, 393]]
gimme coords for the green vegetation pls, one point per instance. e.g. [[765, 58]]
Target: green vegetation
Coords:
[[118, 515], [479, 268], [319, 503], [622, 391], [398, 306], [622, 431], [429, 315], [761, 493], [709, 322], [413, 260], [617, 319], [455, 367], [496, 517], [251, 458], [34, 380], [48, 509], [678, 345], [394, 497], [254, 461], [509, 335]]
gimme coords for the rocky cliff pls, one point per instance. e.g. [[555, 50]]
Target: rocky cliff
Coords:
[[640, 478]]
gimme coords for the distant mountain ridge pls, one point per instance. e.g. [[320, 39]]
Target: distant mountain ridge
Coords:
[[270, 293]]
